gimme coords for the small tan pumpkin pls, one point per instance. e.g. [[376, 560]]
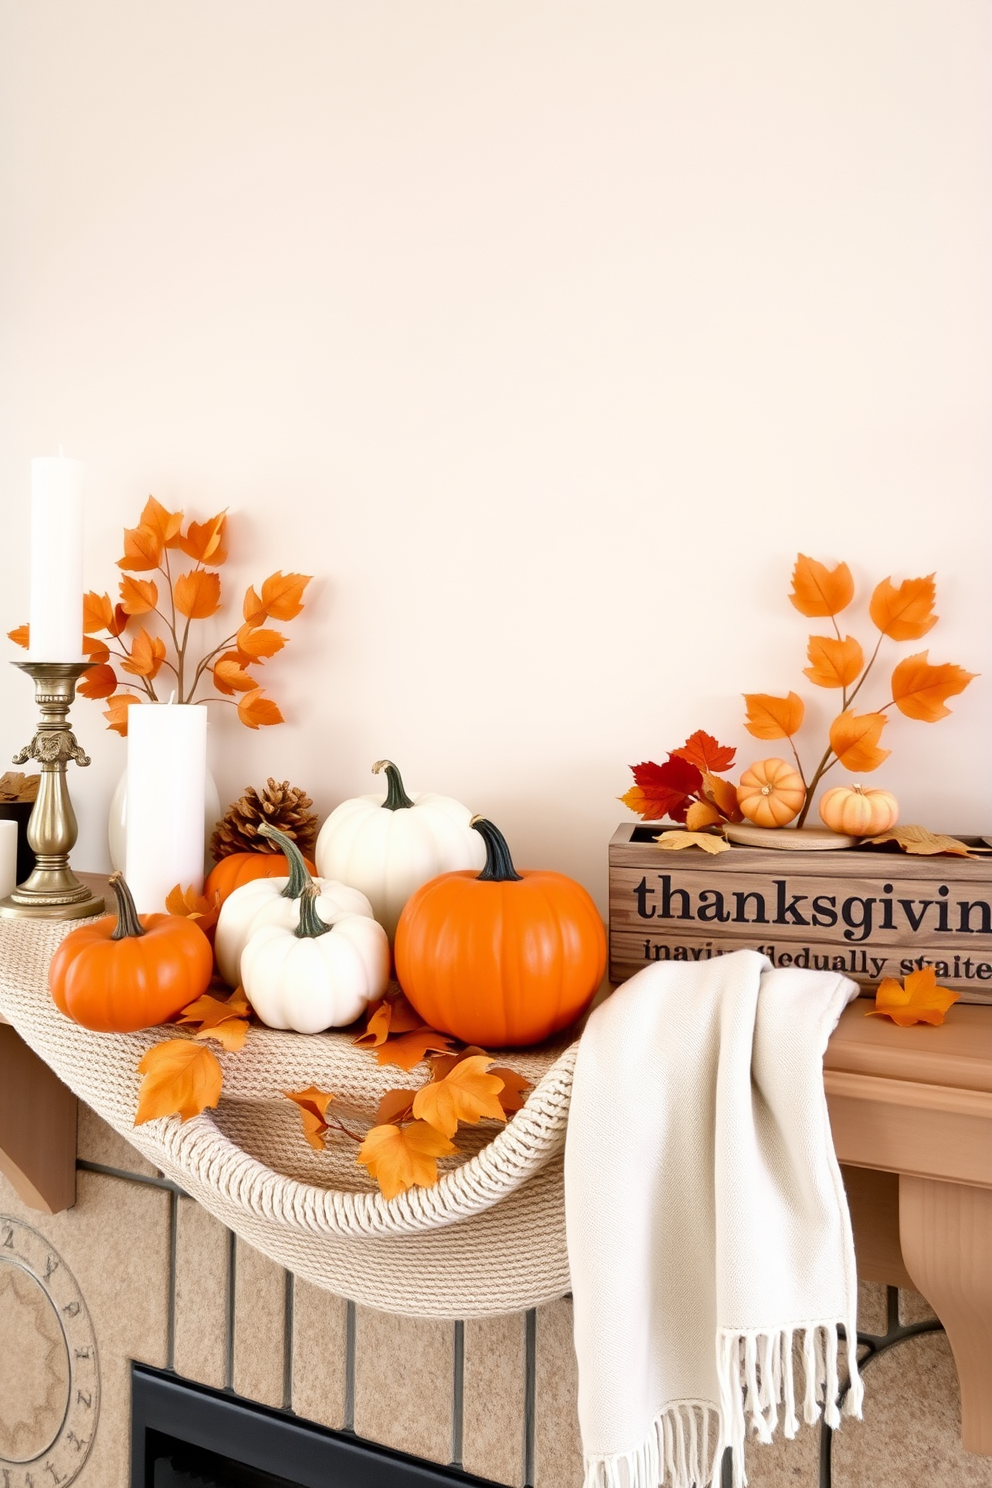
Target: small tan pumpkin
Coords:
[[858, 812], [771, 793]]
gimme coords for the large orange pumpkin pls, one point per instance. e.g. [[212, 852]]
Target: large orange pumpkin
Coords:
[[118, 975], [241, 868], [500, 958]]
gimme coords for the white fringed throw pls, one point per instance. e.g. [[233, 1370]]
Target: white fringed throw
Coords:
[[708, 1229]]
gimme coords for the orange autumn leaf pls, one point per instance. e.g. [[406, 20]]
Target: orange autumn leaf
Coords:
[[467, 1093], [398, 1157], [116, 714], [834, 663], [204, 541], [773, 717], [98, 651], [906, 613], [818, 590], [98, 612], [395, 1107], [253, 609], [193, 906], [701, 814], [164, 524], [410, 1048], [230, 676], [916, 1000], [282, 595], [920, 690], [197, 594], [854, 739], [259, 643], [138, 596], [723, 795], [21, 636], [230, 1032], [142, 549], [119, 621], [511, 1097], [257, 711], [390, 1015], [313, 1104], [147, 655], [703, 751], [181, 1079], [206, 1010], [98, 682]]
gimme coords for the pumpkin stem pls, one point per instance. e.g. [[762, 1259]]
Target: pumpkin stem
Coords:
[[311, 925], [299, 874], [499, 865], [127, 915], [396, 796]]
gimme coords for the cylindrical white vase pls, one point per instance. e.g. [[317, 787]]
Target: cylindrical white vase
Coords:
[[166, 783], [8, 858]]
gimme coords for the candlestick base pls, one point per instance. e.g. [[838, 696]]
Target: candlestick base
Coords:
[[52, 891]]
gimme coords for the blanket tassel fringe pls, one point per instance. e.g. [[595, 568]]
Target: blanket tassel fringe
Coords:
[[757, 1382]]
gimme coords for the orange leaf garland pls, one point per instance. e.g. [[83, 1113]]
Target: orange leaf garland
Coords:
[[917, 1000], [142, 549], [230, 676], [98, 651], [164, 524], [197, 594], [313, 1104], [834, 663], [395, 1107], [511, 1097], [204, 541], [819, 591], [147, 655], [906, 613], [259, 643], [282, 595], [98, 682], [467, 1093], [854, 739], [257, 711], [398, 1157], [391, 1015], [920, 690], [21, 636], [773, 717], [98, 612], [138, 596], [410, 1048], [182, 1078], [253, 609], [116, 714]]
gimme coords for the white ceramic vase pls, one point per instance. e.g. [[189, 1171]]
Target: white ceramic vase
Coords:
[[117, 823]]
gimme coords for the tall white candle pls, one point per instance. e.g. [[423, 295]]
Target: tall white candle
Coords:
[[166, 782], [8, 858], [56, 560]]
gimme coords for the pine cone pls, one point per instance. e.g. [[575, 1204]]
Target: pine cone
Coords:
[[282, 806]]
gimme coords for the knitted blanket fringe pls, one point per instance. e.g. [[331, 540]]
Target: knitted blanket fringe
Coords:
[[487, 1239]]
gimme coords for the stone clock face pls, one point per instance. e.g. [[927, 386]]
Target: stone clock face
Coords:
[[49, 1380]]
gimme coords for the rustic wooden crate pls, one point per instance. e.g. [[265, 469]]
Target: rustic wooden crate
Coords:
[[864, 911]]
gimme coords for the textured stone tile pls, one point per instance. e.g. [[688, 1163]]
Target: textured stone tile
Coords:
[[493, 1415], [201, 1295], [786, 1464], [96, 1141], [911, 1433], [872, 1307], [319, 1346], [913, 1308], [115, 1242], [259, 1326], [557, 1446], [404, 1369]]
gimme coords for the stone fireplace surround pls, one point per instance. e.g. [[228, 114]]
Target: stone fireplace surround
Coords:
[[165, 1285]]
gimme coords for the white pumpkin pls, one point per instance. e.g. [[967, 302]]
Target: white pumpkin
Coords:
[[317, 976], [389, 846], [276, 901]]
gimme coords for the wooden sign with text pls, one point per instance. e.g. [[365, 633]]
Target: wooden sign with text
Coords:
[[868, 913]]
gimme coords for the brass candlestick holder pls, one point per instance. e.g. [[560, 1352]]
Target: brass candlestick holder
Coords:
[[52, 891]]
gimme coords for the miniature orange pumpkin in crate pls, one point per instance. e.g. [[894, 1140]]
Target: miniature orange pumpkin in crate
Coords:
[[500, 958]]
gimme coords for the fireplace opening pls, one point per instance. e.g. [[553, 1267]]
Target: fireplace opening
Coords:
[[185, 1435]]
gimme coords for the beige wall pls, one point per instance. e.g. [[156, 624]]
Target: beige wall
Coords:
[[543, 333]]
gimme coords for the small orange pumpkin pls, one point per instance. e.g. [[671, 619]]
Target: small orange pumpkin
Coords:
[[241, 868], [859, 812], [118, 975], [500, 958], [771, 793]]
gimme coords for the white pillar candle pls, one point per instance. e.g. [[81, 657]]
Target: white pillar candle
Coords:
[[8, 858], [56, 560], [166, 782]]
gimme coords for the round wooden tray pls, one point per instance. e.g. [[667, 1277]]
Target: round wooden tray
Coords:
[[790, 839]]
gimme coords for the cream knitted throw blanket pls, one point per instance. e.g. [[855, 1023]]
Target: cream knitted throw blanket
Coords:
[[709, 1239]]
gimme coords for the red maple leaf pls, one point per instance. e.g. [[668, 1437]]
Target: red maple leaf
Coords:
[[663, 790]]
